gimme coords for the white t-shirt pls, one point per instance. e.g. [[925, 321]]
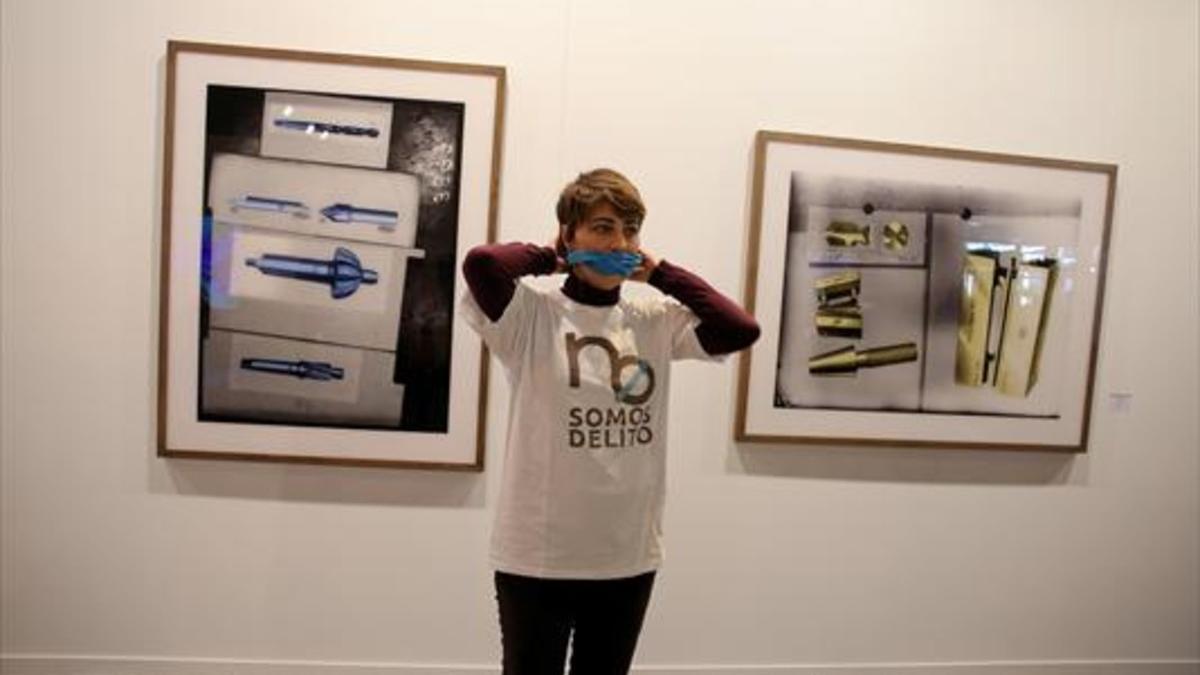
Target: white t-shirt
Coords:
[[584, 477]]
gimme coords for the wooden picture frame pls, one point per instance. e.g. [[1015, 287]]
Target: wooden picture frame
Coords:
[[922, 296], [315, 211]]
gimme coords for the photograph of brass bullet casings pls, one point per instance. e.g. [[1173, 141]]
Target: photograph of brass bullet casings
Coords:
[[838, 290], [895, 236], [848, 360], [844, 322], [838, 313], [1002, 321], [982, 287], [1025, 317], [846, 234]]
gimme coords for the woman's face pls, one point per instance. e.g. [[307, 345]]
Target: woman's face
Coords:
[[602, 230]]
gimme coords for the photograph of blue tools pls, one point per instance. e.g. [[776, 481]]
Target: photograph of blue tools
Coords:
[[922, 296], [337, 213], [272, 282], [306, 224], [310, 198], [313, 230], [325, 128], [300, 381], [305, 370], [348, 213], [273, 205], [311, 127], [343, 274]]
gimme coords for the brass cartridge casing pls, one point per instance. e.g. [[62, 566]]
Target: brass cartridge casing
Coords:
[[983, 276], [845, 234], [1025, 316], [838, 289], [847, 360], [895, 235], [839, 322]]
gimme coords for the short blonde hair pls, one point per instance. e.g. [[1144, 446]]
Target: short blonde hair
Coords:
[[596, 186]]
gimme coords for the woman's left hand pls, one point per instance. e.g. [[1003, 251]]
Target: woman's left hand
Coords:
[[643, 271]]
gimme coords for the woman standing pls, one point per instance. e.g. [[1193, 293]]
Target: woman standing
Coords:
[[578, 534]]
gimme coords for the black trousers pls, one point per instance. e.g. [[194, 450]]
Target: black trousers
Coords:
[[601, 618]]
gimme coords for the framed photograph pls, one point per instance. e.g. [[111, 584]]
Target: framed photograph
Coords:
[[922, 296], [316, 209]]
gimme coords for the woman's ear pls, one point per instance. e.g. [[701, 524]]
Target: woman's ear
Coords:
[[561, 245]]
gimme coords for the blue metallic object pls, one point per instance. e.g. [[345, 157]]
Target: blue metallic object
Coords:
[[343, 274], [305, 370], [348, 213], [326, 128], [257, 203]]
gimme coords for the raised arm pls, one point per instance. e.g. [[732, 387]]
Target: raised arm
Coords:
[[724, 326], [492, 271]]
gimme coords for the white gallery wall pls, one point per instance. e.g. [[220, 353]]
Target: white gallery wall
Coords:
[[787, 559]]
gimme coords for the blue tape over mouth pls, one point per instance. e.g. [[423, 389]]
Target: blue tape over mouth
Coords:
[[611, 263]]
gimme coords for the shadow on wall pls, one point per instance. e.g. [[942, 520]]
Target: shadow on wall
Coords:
[[908, 465], [316, 483]]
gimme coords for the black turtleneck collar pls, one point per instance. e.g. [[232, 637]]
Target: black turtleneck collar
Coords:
[[585, 294]]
